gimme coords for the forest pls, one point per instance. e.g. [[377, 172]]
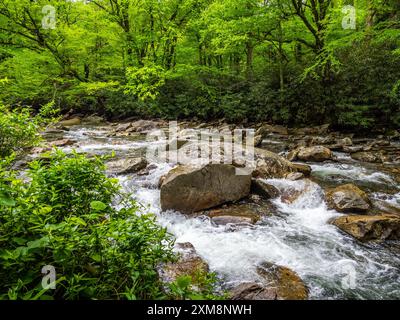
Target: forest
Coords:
[[309, 209], [291, 62]]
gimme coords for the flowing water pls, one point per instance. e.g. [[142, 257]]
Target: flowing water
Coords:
[[298, 235]]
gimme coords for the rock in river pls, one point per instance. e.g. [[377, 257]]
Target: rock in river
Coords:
[[373, 157], [126, 166], [189, 189], [252, 291], [317, 154], [364, 228], [70, 122], [266, 128], [264, 189], [270, 165], [235, 214], [61, 143], [278, 283], [287, 283], [348, 198]]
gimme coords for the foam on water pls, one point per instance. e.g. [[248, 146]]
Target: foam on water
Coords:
[[107, 147], [350, 172]]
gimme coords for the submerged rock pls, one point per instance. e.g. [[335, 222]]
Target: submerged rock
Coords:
[[364, 228], [348, 198], [290, 195], [189, 189]]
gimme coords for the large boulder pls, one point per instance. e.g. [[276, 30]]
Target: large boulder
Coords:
[[270, 165], [189, 189], [347, 198], [364, 228], [316, 153]]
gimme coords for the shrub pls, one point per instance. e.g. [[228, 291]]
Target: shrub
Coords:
[[64, 218], [18, 130]]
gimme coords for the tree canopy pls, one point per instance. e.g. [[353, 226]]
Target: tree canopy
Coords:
[[289, 61]]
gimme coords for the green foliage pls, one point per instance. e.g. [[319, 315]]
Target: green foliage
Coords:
[[144, 82], [289, 61], [199, 287], [65, 217], [19, 130], [70, 185]]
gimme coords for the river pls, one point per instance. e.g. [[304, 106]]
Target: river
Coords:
[[297, 235]]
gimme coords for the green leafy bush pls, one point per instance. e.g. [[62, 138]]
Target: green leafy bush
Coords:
[[201, 286], [18, 130], [64, 218], [70, 184]]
